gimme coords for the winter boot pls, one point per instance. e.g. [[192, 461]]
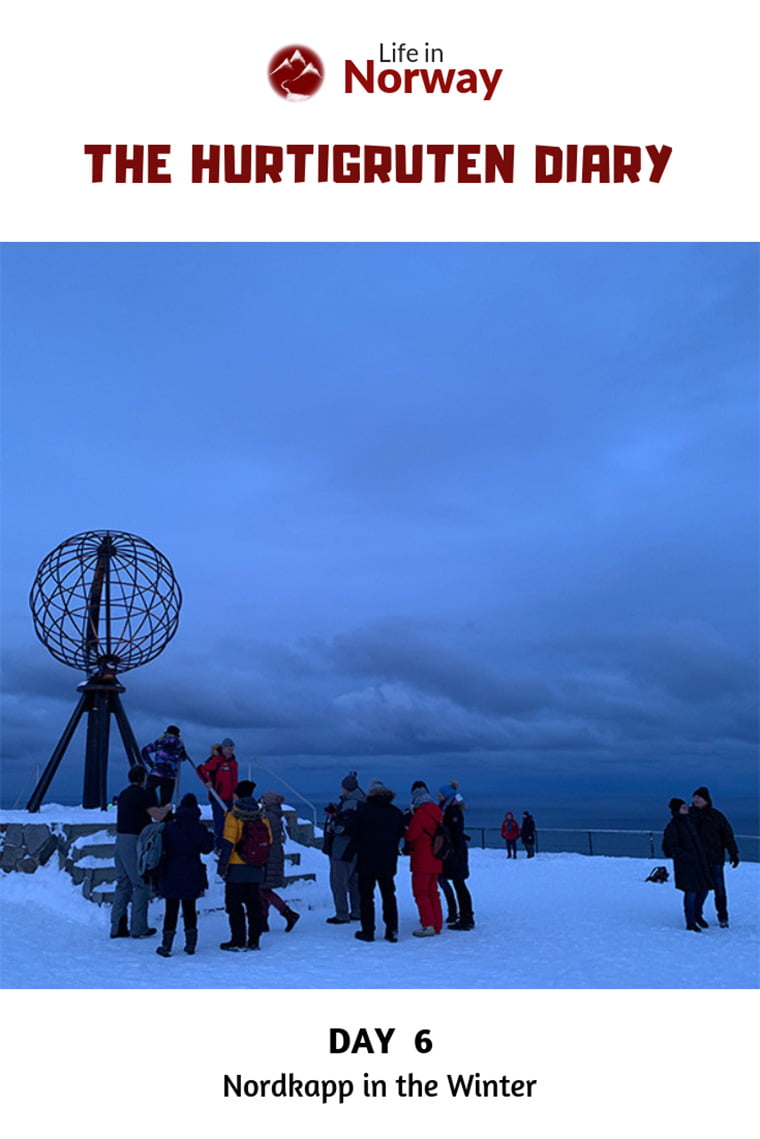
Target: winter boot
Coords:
[[291, 917], [191, 940], [452, 918], [232, 946], [426, 931], [122, 929], [165, 948], [253, 942], [360, 935]]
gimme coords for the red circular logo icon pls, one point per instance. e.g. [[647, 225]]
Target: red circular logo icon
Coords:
[[296, 73]]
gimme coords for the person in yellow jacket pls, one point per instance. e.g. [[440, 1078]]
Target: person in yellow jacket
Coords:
[[241, 889]]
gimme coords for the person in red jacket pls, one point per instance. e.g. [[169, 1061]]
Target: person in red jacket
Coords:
[[220, 771], [424, 865], [510, 832]]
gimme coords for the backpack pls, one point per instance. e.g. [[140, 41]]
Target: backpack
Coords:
[[254, 843], [659, 874], [150, 848], [441, 844]]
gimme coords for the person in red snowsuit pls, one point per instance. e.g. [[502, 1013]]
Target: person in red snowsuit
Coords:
[[510, 832], [220, 771], [424, 865]]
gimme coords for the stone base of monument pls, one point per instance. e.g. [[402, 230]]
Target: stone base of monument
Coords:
[[86, 852]]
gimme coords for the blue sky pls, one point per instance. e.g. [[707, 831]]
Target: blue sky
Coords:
[[483, 509]]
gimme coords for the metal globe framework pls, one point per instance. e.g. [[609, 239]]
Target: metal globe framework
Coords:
[[105, 596], [103, 602]]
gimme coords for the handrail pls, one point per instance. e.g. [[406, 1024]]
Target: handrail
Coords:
[[36, 776], [286, 784], [653, 835]]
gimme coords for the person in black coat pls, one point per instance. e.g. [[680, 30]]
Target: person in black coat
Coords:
[[717, 837], [690, 867], [377, 827], [182, 873], [528, 833], [456, 866]]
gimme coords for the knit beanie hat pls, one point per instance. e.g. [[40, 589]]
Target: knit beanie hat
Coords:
[[190, 803], [245, 789], [376, 785], [675, 805], [449, 794], [349, 782], [419, 783], [172, 730], [421, 795], [227, 742], [703, 794]]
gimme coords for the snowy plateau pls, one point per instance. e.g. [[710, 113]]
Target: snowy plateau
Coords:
[[558, 921]]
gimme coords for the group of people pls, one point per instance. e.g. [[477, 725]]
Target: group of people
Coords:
[[363, 836], [180, 877], [698, 838], [511, 830]]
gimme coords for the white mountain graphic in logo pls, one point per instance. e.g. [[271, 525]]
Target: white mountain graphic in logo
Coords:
[[296, 73]]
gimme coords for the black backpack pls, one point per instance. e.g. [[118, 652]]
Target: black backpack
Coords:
[[441, 843], [659, 874]]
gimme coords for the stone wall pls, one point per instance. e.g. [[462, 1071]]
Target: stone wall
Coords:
[[25, 846], [86, 851]]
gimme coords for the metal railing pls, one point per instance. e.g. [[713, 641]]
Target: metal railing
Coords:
[[34, 776], [298, 794], [607, 841]]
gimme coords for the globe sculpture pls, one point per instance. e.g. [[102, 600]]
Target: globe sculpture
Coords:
[[102, 602]]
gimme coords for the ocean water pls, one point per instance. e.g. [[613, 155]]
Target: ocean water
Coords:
[[563, 824], [565, 817]]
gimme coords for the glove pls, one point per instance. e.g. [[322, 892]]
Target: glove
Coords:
[[735, 862]]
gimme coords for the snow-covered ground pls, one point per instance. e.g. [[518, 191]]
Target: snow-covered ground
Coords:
[[563, 921]]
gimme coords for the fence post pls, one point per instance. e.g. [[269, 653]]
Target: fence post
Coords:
[[482, 838], [651, 845], [590, 844]]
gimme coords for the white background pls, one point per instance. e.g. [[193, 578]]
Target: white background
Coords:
[[598, 73], [622, 1063]]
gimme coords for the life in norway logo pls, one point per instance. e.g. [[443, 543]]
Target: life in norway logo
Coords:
[[296, 73]]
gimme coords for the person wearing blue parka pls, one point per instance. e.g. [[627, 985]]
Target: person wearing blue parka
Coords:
[[182, 873]]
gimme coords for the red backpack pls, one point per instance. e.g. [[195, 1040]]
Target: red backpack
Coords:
[[254, 843]]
